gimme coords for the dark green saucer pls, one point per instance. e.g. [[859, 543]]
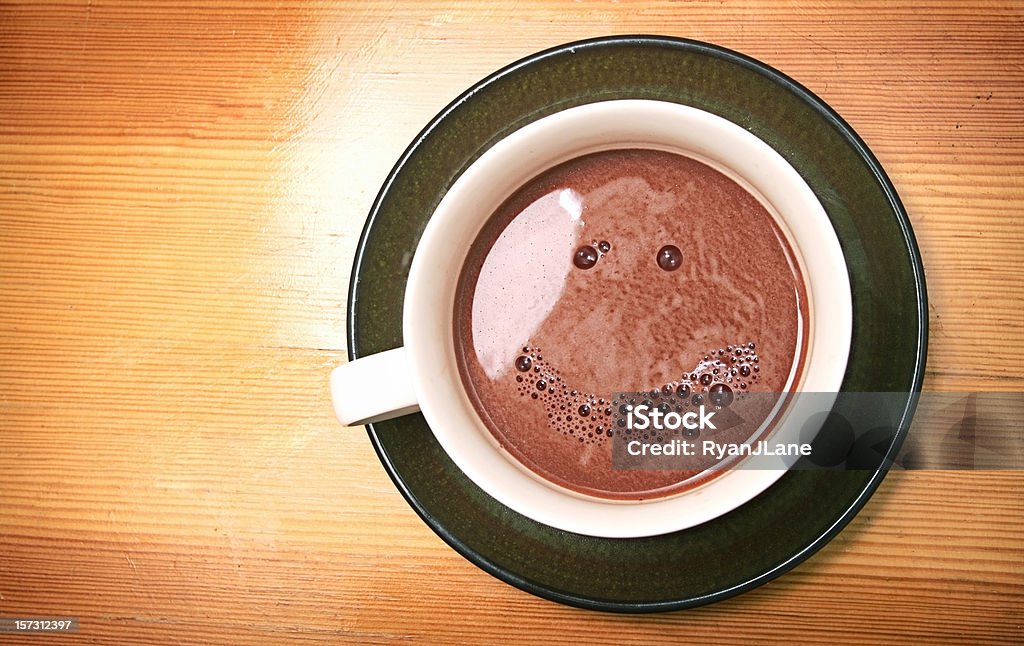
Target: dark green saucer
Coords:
[[803, 510]]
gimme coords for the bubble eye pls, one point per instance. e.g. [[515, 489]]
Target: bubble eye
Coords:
[[669, 257], [585, 257]]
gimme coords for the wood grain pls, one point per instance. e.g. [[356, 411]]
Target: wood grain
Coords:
[[181, 190]]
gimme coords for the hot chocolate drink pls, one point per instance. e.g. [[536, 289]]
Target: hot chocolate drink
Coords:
[[629, 270]]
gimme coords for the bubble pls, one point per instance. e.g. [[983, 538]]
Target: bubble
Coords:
[[669, 257], [604, 246], [585, 257], [572, 413], [720, 395], [751, 345]]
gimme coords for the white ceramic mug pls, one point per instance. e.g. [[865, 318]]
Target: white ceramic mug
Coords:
[[423, 374]]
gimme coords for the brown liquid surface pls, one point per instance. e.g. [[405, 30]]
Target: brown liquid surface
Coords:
[[621, 271]]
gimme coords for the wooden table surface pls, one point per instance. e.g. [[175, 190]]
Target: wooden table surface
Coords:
[[182, 186]]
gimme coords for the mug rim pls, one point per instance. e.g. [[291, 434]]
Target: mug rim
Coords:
[[437, 379]]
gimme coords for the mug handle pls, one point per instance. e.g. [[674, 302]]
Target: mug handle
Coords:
[[373, 388]]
